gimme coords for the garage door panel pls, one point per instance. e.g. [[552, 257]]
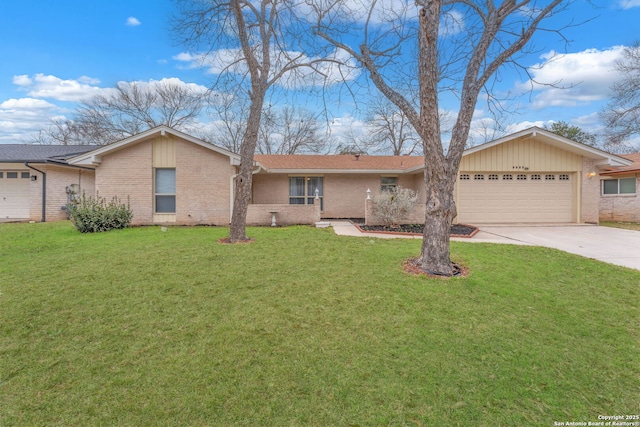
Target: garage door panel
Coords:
[[540, 199], [14, 194]]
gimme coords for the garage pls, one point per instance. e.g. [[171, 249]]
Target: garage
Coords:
[[508, 197], [14, 194]]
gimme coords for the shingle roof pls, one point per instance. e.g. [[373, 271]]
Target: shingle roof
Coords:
[[20, 153], [338, 162], [635, 167]]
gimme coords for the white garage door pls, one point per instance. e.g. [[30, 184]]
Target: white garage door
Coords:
[[515, 197], [14, 194]]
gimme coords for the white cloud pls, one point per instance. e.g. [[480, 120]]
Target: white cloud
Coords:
[[171, 80], [55, 88], [88, 80], [22, 80], [25, 103], [22, 118], [215, 62], [628, 4], [526, 124], [579, 78], [132, 21]]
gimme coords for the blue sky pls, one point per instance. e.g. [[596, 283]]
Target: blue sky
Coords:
[[56, 53]]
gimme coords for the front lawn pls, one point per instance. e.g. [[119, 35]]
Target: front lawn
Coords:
[[141, 327]]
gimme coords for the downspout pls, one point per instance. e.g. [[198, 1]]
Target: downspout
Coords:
[[44, 190], [231, 194]]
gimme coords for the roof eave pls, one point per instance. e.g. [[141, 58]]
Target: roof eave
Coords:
[[335, 171], [94, 158], [624, 172], [604, 158]]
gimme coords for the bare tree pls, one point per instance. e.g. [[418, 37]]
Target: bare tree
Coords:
[[263, 46], [228, 120], [460, 46], [128, 109], [289, 131], [622, 115], [389, 129], [57, 132]]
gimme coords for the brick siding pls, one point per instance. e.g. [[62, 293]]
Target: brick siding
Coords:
[[260, 214], [203, 185], [590, 190], [58, 179], [622, 208]]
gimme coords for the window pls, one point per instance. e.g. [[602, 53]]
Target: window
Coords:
[[535, 177], [507, 177], [522, 177], [619, 186], [478, 177], [550, 177], [1, 174], [464, 176], [302, 190], [493, 177], [563, 177], [388, 183], [24, 175], [165, 193], [12, 175]]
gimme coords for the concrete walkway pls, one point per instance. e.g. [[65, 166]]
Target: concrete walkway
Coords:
[[611, 245]]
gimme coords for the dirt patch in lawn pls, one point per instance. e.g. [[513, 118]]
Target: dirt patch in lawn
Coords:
[[410, 266], [227, 241]]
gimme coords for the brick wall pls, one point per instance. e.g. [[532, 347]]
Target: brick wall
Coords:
[[260, 214], [58, 179], [270, 188], [203, 185], [128, 175], [344, 195], [623, 208], [590, 193]]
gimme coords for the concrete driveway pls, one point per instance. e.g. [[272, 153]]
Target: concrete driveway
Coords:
[[612, 245]]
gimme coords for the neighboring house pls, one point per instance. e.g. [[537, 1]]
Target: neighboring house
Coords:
[[532, 176], [619, 188]]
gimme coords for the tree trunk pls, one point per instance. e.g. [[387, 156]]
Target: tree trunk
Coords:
[[440, 207], [440, 211], [244, 178]]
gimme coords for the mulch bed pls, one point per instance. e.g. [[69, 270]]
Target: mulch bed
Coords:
[[457, 230]]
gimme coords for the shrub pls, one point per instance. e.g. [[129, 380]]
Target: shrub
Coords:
[[392, 206], [92, 215]]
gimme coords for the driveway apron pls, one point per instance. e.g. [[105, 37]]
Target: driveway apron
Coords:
[[611, 245]]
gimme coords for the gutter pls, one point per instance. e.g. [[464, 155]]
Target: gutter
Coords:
[[64, 164], [44, 190]]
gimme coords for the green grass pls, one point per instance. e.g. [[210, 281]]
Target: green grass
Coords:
[[625, 225], [140, 327]]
